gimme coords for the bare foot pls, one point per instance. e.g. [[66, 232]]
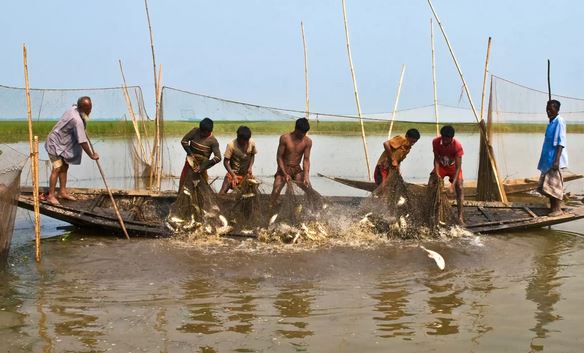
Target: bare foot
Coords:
[[555, 213], [66, 196], [461, 221], [53, 200]]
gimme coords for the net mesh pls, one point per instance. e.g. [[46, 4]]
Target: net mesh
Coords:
[[111, 115], [517, 109], [11, 163]]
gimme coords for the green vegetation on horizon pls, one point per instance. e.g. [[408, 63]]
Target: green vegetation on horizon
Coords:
[[14, 131]]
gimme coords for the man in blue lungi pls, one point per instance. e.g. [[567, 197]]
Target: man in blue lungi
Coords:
[[554, 157]]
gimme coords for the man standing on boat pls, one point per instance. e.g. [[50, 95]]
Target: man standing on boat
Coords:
[[199, 143], [395, 151], [65, 145], [448, 163], [553, 158], [239, 157], [293, 148]]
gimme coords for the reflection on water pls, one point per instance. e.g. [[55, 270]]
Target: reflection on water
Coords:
[[203, 312], [241, 306], [443, 298], [543, 289], [293, 303], [392, 301]]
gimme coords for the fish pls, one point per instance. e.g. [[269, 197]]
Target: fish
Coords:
[[436, 257], [253, 181], [246, 231], [186, 192], [223, 220], [248, 195], [401, 201], [176, 220], [295, 238], [273, 219]]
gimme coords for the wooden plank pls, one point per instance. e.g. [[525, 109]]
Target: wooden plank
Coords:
[[487, 215], [528, 210]]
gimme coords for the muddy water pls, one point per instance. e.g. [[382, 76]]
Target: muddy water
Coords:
[[517, 292]]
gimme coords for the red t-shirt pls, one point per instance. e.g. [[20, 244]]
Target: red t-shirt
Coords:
[[447, 154]]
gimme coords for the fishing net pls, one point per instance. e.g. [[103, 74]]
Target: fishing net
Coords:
[[129, 128], [195, 207], [247, 211], [11, 163], [399, 209]]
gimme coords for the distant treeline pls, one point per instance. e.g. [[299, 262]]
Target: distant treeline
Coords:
[[14, 131]]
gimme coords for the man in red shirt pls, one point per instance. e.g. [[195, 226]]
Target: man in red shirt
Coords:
[[448, 163]]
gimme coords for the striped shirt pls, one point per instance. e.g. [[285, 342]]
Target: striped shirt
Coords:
[[239, 160], [194, 144]]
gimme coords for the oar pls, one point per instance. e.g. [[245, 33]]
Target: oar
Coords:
[[109, 191]]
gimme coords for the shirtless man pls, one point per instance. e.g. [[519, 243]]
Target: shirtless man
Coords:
[[293, 148]]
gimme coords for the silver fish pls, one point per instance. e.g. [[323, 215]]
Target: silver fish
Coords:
[[223, 220], [436, 257], [273, 219]]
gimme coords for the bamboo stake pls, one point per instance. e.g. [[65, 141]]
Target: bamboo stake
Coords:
[[549, 82], [117, 211], [305, 71], [485, 79], [482, 131], [156, 121], [401, 80], [131, 112], [151, 47], [436, 116], [33, 160], [356, 91], [37, 208], [158, 126]]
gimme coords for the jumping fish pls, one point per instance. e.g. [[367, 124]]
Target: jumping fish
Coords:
[[273, 219], [436, 257]]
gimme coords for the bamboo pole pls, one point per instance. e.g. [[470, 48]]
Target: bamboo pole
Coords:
[[156, 120], [305, 71], [356, 91], [117, 211], [401, 80], [131, 112], [436, 116], [549, 81], [485, 79], [158, 130], [482, 131], [37, 208], [33, 160]]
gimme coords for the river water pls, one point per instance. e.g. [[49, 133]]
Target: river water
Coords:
[[515, 292]]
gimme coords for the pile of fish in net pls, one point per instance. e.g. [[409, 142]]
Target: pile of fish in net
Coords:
[[408, 211], [395, 211]]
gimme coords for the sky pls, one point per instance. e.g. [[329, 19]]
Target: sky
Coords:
[[251, 51]]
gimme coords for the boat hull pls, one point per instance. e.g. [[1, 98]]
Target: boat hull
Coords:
[[93, 210]]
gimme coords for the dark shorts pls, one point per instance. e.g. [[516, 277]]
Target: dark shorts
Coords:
[[292, 170]]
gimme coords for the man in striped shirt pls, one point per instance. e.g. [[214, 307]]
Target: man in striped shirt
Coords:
[[199, 143]]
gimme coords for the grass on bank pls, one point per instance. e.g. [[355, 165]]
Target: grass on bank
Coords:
[[15, 131]]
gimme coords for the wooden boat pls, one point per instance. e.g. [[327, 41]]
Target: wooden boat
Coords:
[[512, 186], [144, 212]]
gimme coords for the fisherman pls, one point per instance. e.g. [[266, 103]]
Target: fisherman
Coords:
[[294, 147], [199, 143], [554, 157], [239, 157], [448, 163], [65, 145], [395, 151]]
